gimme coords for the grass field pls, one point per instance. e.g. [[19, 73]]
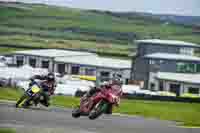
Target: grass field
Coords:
[[7, 130], [10, 93], [7, 50], [45, 26], [188, 113], [37, 42]]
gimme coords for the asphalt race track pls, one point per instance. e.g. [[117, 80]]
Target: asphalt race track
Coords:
[[59, 120]]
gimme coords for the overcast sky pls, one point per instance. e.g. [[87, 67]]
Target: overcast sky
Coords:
[[180, 7]]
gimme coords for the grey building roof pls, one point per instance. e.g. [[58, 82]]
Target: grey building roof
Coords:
[[167, 42], [53, 53], [179, 77], [96, 61], [168, 56]]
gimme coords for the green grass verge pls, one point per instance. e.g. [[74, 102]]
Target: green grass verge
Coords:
[[188, 113], [7, 130], [65, 101], [10, 94], [181, 112]]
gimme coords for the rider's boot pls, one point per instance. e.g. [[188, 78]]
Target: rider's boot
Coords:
[[109, 109]]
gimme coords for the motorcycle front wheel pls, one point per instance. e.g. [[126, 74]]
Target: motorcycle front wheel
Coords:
[[76, 113], [98, 110], [21, 101], [24, 102]]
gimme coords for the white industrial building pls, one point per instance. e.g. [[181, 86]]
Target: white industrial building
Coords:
[[93, 66], [44, 58], [188, 83], [73, 62], [167, 65]]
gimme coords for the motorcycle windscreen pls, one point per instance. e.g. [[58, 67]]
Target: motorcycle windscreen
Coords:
[[35, 89]]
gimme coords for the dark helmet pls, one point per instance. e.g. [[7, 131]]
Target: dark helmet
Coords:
[[50, 77]]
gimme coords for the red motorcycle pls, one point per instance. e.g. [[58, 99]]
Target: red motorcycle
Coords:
[[98, 104]]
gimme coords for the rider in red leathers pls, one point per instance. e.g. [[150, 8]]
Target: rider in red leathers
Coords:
[[114, 84]]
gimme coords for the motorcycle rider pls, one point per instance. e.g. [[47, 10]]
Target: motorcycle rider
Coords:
[[48, 85], [115, 83]]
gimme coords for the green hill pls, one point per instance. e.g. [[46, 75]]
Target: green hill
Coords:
[[107, 33]]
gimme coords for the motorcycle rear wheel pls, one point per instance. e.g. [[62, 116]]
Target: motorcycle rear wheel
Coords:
[[98, 110]]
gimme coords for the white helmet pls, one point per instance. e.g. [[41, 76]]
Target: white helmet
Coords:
[[117, 79], [104, 83]]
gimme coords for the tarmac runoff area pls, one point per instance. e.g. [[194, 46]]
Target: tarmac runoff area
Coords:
[[59, 120]]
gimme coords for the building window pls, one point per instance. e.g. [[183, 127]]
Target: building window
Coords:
[[198, 68], [45, 64], [89, 71], [187, 51], [105, 76], [61, 68], [20, 61], [75, 70], [32, 62], [185, 67], [151, 62], [175, 88], [193, 90], [152, 86], [161, 61], [126, 81], [161, 86]]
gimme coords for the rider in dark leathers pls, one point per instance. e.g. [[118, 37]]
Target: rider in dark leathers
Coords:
[[48, 85]]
